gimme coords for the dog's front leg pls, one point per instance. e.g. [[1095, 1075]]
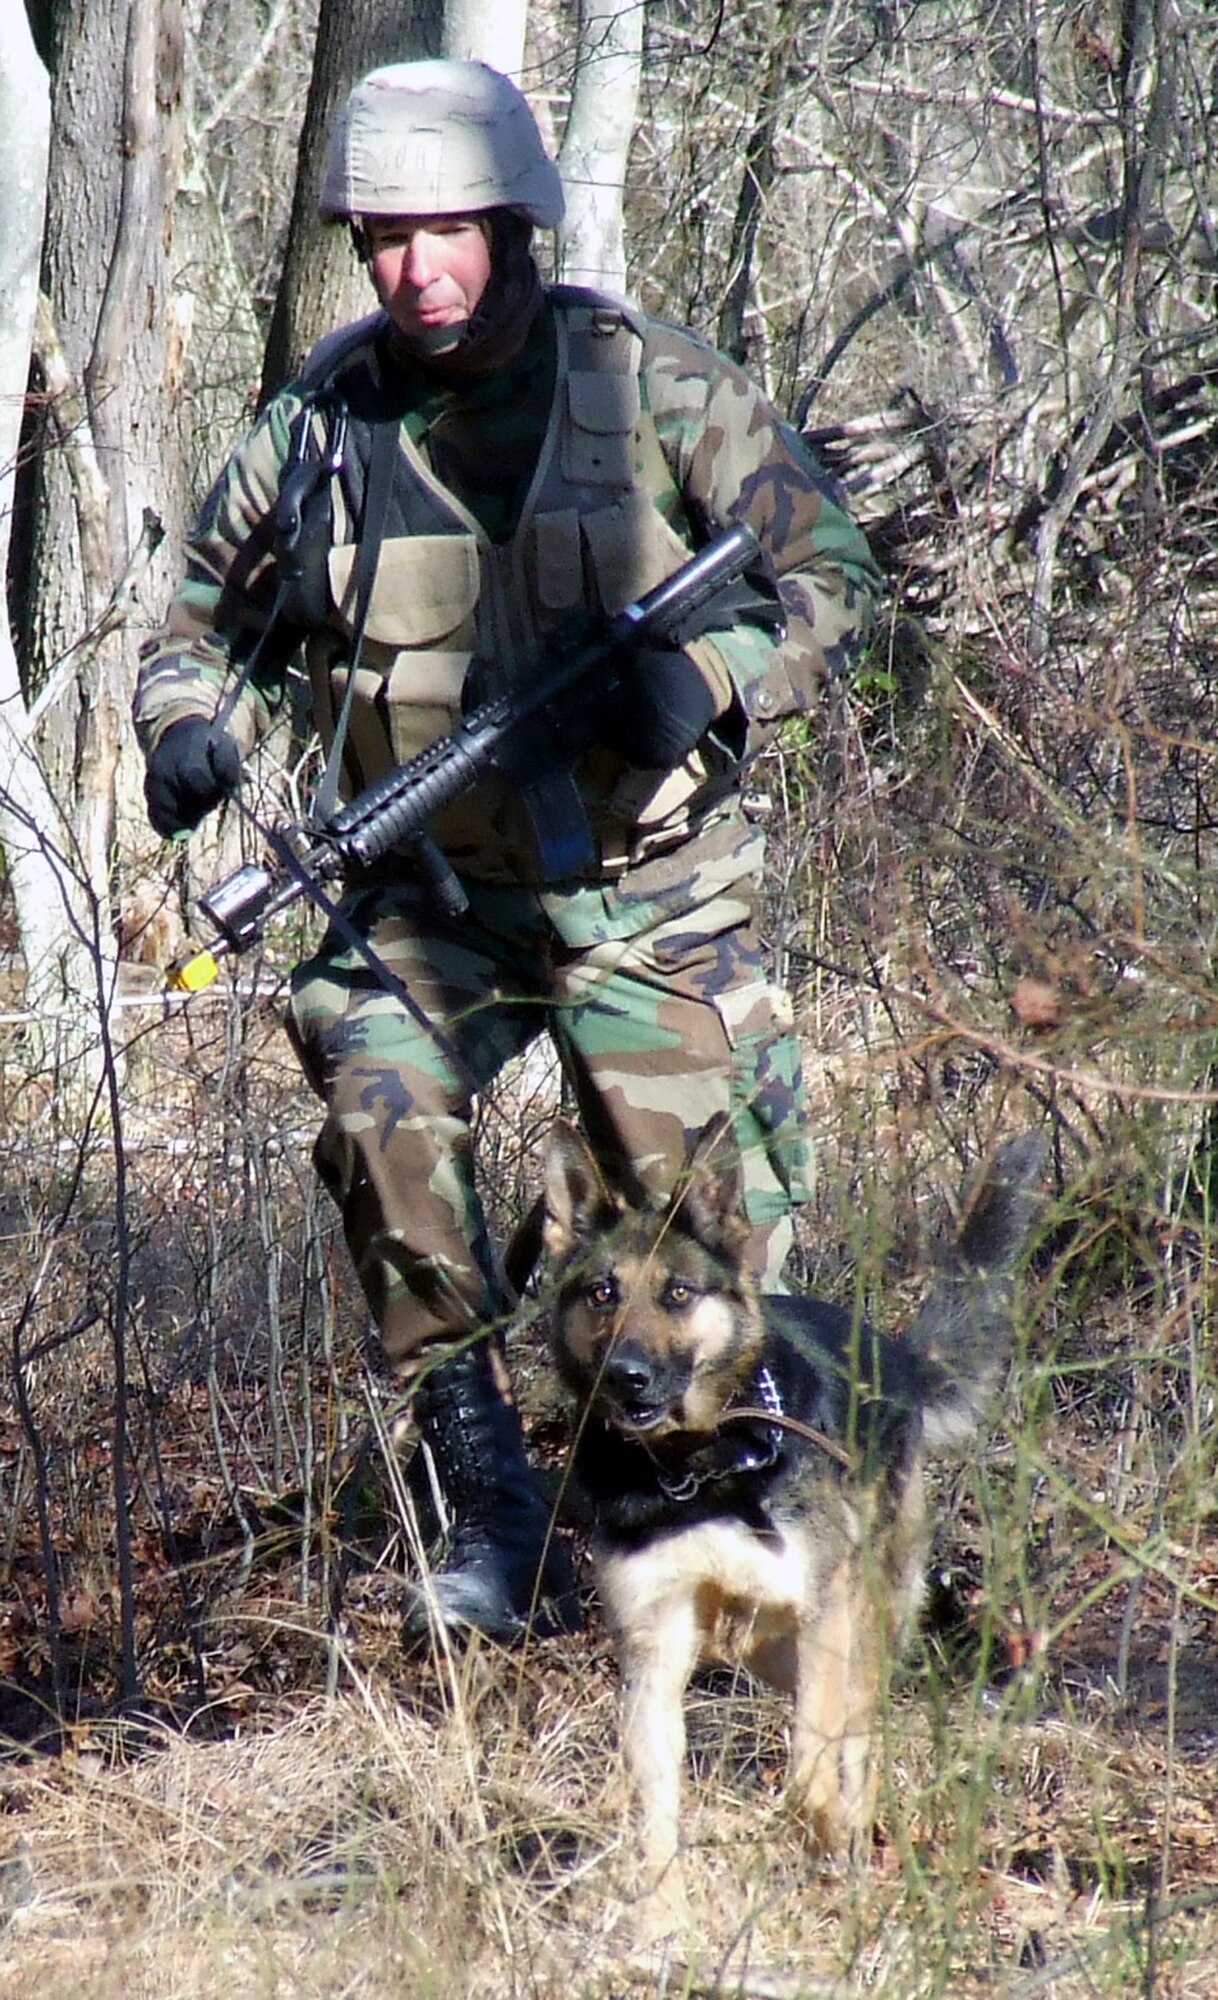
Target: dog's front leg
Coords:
[[822, 1703], [657, 1659], [860, 1776]]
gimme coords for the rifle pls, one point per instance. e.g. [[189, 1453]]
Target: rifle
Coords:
[[533, 734]]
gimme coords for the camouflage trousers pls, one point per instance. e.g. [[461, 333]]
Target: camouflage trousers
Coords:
[[654, 994]]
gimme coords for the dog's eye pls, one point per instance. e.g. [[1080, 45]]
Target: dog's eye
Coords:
[[679, 1292], [601, 1294]]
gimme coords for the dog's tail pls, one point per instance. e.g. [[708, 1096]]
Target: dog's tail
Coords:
[[965, 1329]]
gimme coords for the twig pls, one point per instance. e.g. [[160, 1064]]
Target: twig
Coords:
[[250, 71], [114, 614], [672, 1978]]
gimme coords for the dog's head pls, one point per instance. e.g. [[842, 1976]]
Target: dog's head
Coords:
[[655, 1325]]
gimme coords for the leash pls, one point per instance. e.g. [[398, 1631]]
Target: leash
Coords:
[[786, 1423]]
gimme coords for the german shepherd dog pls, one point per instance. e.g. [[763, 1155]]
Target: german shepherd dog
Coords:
[[752, 1468]]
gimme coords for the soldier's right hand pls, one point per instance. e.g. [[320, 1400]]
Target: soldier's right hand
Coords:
[[188, 773]]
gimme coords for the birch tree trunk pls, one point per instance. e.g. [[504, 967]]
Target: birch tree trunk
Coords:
[[51, 906], [489, 31], [595, 148]]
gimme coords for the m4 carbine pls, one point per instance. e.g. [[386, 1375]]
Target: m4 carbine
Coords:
[[534, 734]]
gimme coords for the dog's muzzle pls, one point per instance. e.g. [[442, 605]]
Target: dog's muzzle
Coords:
[[635, 1395]]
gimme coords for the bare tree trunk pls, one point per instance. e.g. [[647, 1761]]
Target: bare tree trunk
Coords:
[[595, 148], [489, 31], [760, 166], [1150, 32], [321, 284], [25, 134], [110, 342], [104, 527]]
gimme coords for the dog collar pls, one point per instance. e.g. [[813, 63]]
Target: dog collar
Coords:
[[754, 1448]]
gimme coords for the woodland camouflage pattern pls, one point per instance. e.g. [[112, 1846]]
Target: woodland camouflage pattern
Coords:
[[656, 1018], [648, 974]]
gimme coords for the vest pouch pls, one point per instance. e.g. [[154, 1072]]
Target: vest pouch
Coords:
[[418, 642], [423, 594], [423, 699], [395, 714], [600, 441], [629, 548], [558, 560]]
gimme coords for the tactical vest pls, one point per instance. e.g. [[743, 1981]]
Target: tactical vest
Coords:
[[591, 537]]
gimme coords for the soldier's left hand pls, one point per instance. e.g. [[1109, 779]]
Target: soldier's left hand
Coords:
[[664, 705]]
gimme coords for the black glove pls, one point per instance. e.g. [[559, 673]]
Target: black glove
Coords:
[[663, 706], [188, 773]]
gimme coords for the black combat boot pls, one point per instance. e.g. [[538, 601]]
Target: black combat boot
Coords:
[[503, 1572]]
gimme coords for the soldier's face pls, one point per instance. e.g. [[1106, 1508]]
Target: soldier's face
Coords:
[[429, 271]]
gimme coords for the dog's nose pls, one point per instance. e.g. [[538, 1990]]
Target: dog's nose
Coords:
[[627, 1372]]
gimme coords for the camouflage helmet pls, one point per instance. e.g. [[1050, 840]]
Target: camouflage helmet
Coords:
[[438, 138]]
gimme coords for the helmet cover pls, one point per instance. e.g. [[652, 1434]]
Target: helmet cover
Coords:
[[442, 137]]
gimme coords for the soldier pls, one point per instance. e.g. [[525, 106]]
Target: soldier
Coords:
[[491, 458]]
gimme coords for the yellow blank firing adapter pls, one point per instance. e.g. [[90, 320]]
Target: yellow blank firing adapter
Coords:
[[191, 975], [237, 907]]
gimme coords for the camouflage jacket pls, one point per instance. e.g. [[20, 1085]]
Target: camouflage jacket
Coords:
[[571, 482]]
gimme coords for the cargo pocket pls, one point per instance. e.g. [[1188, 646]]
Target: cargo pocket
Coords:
[[769, 1105], [424, 591], [559, 561]]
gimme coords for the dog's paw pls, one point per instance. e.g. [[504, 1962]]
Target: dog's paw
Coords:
[[655, 1924]]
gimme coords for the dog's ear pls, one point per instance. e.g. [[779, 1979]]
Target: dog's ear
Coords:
[[708, 1200], [576, 1198]]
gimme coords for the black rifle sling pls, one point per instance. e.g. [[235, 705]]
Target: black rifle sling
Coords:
[[381, 463], [355, 941], [299, 480], [382, 459]]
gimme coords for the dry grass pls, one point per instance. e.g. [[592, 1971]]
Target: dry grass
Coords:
[[382, 1843], [453, 1826], [441, 1827]]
